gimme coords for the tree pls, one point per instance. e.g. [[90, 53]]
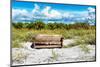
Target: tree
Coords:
[[30, 25], [51, 26], [38, 25], [18, 25]]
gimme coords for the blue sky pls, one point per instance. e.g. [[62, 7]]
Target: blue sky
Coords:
[[49, 12]]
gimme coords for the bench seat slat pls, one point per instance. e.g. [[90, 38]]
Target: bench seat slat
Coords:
[[47, 42]]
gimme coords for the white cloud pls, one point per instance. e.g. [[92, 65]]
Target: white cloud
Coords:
[[67, 14], [90, 9], [91, 15], [46, 10], [55, 14], [21, 14], [15, 12], [36, 8], [51, 13], [48, 13]]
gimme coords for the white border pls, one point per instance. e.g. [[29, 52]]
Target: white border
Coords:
[[5, 34], [84, 2]]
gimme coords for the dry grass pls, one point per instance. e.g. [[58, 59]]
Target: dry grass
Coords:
[[86, 36]]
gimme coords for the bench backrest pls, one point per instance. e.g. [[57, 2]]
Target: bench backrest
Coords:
[[48, 38]]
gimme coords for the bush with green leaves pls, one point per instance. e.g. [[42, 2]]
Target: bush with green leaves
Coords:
[[18, 25], [38, 25], [24, 32], [29, 25], [87, 39]]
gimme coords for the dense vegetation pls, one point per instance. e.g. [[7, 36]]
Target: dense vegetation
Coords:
[[23, 32], [38, 25]]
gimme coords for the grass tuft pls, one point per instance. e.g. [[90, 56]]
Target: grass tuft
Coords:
[[54, 55], [85, 36]]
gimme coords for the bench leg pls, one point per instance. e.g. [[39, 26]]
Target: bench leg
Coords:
[[33, 45], [62, 42]]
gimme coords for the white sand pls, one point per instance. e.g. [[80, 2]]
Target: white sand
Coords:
[[27, 55]]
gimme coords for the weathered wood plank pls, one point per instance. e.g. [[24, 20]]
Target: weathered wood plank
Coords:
[[47, 41], [47, 38], [48, 46]]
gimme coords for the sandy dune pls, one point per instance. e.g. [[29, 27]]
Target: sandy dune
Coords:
[[27, 55]]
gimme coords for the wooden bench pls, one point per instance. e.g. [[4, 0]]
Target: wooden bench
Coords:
[[47, 41]]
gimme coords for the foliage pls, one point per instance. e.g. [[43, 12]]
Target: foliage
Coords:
[[23, 32], [38, 25], [83, 36], [16, 44], [87, 39], [29, 25], [54, 55], [18, 25]]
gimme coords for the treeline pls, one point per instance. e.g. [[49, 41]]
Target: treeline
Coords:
[[38, 25]]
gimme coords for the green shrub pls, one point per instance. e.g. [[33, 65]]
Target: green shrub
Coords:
[[84, 36], [29, 25], [29, 36], [18, 25], [87, 39], [38, 25]]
